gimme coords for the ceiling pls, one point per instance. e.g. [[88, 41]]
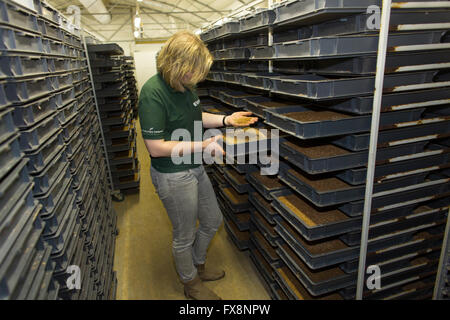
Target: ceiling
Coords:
[[160, 18]]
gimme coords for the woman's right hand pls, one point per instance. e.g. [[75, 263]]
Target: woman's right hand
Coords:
[[211, 146]]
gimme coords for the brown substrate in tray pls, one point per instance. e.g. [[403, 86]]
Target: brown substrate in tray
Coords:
[[266, 245], [314, 150], [314, 116], [235, 197], [276, 104], [132, 178], [243, 217], [264, 222], [315, 247], [308, 214], [298, 289], [236, 176], [263, 202], [320, 183], [269, 182], [316, 276], [241, 235]]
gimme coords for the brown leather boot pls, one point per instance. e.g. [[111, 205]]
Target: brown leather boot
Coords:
[[210, 274], [196, 290]]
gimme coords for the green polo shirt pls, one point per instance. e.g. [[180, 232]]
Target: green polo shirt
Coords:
[[162, 110]]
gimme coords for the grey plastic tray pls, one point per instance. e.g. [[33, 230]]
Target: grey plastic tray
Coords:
[[263, 206], [314, 87], [40, 157], [24, 90], [45, 179], [7, 127], [264, 185], [315, 161], [234, 98], [440, 127], [10, 154], [227, 29], [436, 186], [232, 178], [231, 54], [332, 125], [261, 265], [409, 221], [263, 246], [105, 49], [55, 192], [12, 66], [258, 104], [18, 16], [311, 11], [241, 219], [67, 113], [257, 21], [241, 244], [427, 163], [29, 114], [349, 45], [227, 192], [258, 80], [266, 229], [62, 259], [393, 101], [14, 40], [334, 251], [314, 188]]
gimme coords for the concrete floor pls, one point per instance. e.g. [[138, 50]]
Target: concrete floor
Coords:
[[143, 258]]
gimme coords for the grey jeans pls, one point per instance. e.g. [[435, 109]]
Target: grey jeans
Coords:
[[188, 196]]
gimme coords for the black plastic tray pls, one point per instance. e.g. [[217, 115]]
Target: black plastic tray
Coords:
[[243, 205], [31, 139], [254, 178], [263, 207], [261, 265], [241, 244], [315, 87], [44, 180], [241, 219], [341, 252], [330, 125], [430, 160], [10, 155], [263, 246], [233, 178], [106, 49], [338, 191], [437, 128], [266, 229], [343, 160], [258, 104]]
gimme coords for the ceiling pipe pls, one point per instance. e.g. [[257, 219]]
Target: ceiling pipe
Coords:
[[98, 10]]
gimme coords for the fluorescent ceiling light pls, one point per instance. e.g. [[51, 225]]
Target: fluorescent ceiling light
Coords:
[[198, 31], [137, 22], [136, 34]]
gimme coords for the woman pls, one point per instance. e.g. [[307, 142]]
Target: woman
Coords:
[[168, 102]]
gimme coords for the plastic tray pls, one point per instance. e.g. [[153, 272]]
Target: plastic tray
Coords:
[[419, 244], [7, 127], [237, 181], [63, 258], [45, 179], [329, 123], [263, 267], [29, 114], [234, 98], [266, 229], [13, 66], [10, 155], [321, 157], [430, 160], [238, 202], [436, 186], [331, 252], [51, 198], [65, 204], [64, 231], [314, 87], [68, 113], [40, 157], [18, 16], [263, 246], [261, 53], [231, 54], [349, 45], [403, 133], [241, 220], [13, 40], [264, 184], [258, 80], [240, 239], [105, 49], [264, 207], [325, 191], [258, 104], [310, 11], [258, 21]]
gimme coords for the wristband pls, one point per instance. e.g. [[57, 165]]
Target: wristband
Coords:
[[223, 121]]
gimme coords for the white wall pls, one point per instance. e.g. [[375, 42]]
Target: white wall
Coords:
[[145, 62]]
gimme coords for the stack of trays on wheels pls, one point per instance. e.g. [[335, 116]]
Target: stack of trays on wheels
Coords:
[[116, 94], [320, 94], [51, 163], [131, 81]]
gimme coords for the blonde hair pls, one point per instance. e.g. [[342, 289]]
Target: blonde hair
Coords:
[[184, 53]]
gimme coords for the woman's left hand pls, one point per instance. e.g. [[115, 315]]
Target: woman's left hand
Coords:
[[240, 119]]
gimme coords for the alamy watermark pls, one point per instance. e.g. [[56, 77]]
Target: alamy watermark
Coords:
[[74, 280], [241, 146]]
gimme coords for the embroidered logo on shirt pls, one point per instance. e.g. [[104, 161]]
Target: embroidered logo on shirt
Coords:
[[196, 103], [152, 131]]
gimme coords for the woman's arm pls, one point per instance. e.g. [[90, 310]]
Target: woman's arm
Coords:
[[161, 148], [237, 119]]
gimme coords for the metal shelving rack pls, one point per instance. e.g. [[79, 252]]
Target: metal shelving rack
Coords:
[[400, 93]]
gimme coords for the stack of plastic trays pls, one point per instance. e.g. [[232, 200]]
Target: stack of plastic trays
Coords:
[[113, 75], [324, 59], [131, 81]]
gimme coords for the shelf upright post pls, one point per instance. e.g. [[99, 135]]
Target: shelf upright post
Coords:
[[378, 94], [444, 263], [98, 117]]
